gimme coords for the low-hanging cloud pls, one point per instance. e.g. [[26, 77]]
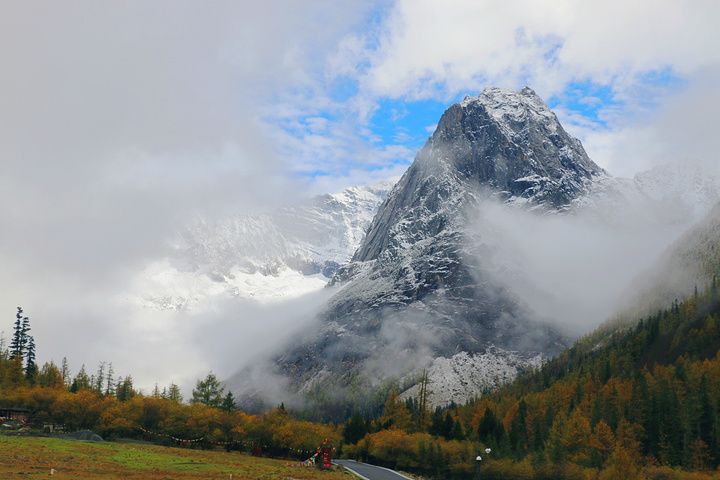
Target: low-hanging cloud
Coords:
[[572, 271], [163, 346]]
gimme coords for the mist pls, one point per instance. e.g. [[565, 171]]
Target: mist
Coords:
[[159, 347], [572, 271]]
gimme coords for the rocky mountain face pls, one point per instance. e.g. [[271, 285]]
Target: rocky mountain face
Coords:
[[277, 255], [501, 144], [415, 290]]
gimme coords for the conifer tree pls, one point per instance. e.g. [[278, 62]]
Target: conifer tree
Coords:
[[173, 393], [447, 426], [124, 389], [489, 427], [65, 372], [208, 392], [22, 346], [456, 432], [518, 428], [82, 380], [30, 365], [17, 344], [705, 413], [99, 379], [436, 420], [228, 403], [25, 333], [110, 381], [424, 394], [354, 429]]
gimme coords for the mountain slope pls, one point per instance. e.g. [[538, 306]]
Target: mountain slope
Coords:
[[690, 264], [640, 402]]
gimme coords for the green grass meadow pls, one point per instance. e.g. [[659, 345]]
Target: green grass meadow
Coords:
[[30, 457]]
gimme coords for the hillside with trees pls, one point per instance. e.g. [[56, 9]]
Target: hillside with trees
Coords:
[[641, 402]]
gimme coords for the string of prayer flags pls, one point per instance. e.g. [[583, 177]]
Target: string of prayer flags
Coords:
[[307, 463], [180, 440]]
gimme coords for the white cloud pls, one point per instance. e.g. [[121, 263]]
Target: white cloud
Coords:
[[681, 127], [440, 50], [573, 271], [118, 118], [464, 44]]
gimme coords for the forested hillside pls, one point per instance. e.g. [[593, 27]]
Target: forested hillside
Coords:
[[635, 403]]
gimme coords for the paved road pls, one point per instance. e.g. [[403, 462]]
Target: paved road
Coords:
[[370, 472]]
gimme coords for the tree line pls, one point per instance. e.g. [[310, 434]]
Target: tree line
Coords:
[[114, 408]]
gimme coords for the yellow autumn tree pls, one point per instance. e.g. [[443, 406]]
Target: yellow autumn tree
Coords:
[[575, 437], [601, 442], [621, 466], [396, 413], [394, 447]]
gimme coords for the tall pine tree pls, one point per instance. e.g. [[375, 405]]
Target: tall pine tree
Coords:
[[17, 344]]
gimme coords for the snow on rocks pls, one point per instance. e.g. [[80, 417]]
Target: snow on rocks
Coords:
[[465, 376]]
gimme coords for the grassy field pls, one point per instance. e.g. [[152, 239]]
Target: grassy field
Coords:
[[25, 457]]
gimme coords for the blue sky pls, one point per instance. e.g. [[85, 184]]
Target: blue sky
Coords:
[[118, 119], [612, 72]]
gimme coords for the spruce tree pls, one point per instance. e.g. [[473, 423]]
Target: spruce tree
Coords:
[[17, 343], [487, 427], [99, 379], [110, 382], [447, 425], [65, 372], [228, 403], [22, 346], [25, 334], [124, 389], [30, 366], [174, 394], [354, 429], [82, 380]]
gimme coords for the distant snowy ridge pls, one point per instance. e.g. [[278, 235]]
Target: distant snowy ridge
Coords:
[[679, 192], [272, 256]]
